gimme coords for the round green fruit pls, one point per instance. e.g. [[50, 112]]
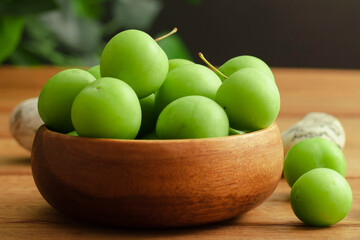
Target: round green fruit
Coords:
[[57, 96], [245, 61], [321, 197], [192, 117], [107, 108], [186, 80], [73, 133], [134, 57], [250, 99], [233, 131], [177, 62], [313, 153], [95, 71]]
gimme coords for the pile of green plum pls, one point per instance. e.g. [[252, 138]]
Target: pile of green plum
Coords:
[[315, 169], [136, 92]]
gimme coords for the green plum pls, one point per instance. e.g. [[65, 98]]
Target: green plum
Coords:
[[174, 63], [73, 133], [250, 99], [192, 117], [245, 61], [134, 57], [321, 197], [186, 80], [107, 108], [233, 131], [57, 96], [95, 71], [149, 115], [313, 153]]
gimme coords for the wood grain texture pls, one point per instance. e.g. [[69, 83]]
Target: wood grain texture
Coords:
[[157, 183], [24, 214], [30, 217], [313, 90]]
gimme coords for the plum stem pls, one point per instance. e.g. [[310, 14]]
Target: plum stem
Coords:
[[166, 35], [211, 66]]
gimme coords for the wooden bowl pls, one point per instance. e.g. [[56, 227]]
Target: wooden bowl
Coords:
[[156, 183]]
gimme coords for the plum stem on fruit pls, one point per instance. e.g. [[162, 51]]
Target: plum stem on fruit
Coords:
[[166, 35], [211, 66]]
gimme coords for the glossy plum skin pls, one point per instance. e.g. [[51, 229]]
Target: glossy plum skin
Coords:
[[186, 80], [235, 132], [57, 96], [192, 117], [73, 133], [95, 71], [135, 58], [250, 99], [177, 62], [313, 153], [107, 108], [321, 197], [245, 61]]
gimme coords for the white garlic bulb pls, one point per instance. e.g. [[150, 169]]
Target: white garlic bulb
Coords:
[[24, 122], [315, 124]]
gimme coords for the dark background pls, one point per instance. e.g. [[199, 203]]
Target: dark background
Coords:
[[307, 33]]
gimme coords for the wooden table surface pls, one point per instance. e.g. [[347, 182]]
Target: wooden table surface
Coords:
[[24, 214]]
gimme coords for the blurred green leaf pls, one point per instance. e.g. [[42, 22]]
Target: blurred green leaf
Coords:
[[139, 14], [80, 35], [89, 8], [40, 46], [25, 7], [72, 32], [23, 57], [59, 38], [174, 47], [10, 34]]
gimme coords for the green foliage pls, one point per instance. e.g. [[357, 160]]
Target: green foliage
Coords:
[[10, 33], [138, 14], [89, 8], [25, 7], [73, 32], [61, 37]]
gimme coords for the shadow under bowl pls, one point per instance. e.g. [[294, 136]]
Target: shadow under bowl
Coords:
[[156, 183]]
